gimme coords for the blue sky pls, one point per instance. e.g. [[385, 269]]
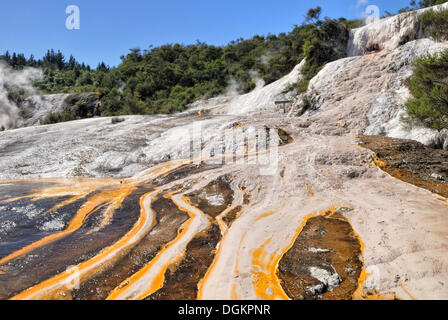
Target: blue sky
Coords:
[[110, 27]]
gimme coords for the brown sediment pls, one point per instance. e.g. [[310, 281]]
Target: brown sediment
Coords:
[[285, 137], [327, 242], [310, 193], [232, 215], [217, 188], [182, 279], [168, 220], [411, 162], [151, 277], [182, 172], [29, 228]]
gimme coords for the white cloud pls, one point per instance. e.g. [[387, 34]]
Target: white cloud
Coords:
[[362, 3]]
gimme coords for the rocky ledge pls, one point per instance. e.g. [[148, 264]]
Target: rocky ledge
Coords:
[[411, 162]]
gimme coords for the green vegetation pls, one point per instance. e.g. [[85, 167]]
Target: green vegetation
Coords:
[[430, 3], [429, 83], [414, 5], [116, 120], [326, 42], [429, 88], [58, 117], [75, 107], [435, 24], [166, 79]]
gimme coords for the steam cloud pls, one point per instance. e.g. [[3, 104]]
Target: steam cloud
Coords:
[[234, 88], [14, 80], [264, 59]]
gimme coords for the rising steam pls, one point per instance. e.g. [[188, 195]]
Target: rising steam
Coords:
[[11, 80], [235, 88]]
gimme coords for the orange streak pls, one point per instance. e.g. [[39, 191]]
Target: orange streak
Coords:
[[222, 225], [234, 293], [111, 198], [58, 284], [266, 277], [67, 187], [407, 292], [263, 281], [224, 231], [66, 203], [265, 215], [159, 279], [310, 193], [360, 293], [380, 163]]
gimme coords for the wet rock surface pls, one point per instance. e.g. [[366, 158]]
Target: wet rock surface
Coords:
[[411, 162], [182, 279], [81, 245], [169, 219], [214, 198], [324, 262]]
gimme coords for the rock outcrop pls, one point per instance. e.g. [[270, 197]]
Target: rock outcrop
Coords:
[[35, 108], [388, 33], [374, 84]]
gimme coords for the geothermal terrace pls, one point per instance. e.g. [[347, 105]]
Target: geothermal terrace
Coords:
[[235, 199]]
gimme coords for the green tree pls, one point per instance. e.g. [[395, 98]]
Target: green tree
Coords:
[[435, 24], [429, 3], [429, 88], [313, 14]]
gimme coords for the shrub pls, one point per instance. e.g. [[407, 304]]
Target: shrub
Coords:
[[328, 43], [117, 120], [435, 24], [26, 113], [55, 117], [429, 88]]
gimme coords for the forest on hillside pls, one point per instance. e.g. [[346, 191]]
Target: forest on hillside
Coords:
[[167, 78]]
